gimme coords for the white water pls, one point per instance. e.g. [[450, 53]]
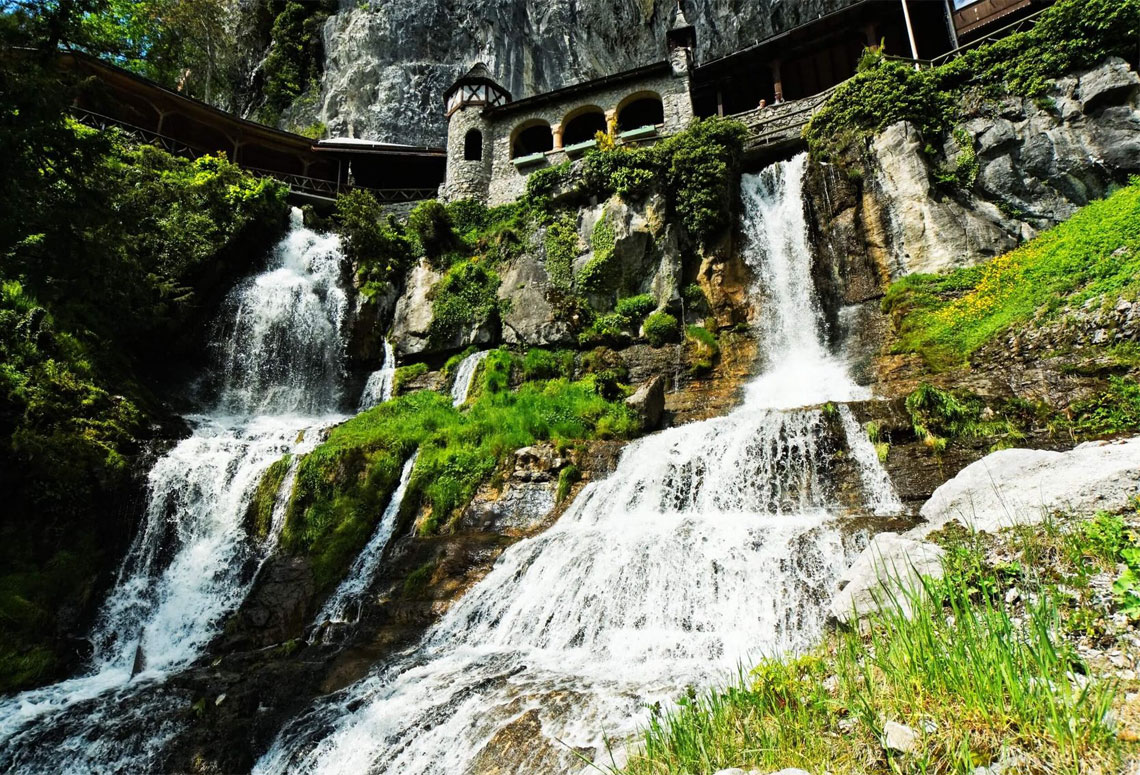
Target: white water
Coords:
[[464, 376], [710, 546], [378, 388], [879, 491], [343, 606], [192, 562]]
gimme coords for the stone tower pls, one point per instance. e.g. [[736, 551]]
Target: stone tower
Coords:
[[681, 40], [469, 133]]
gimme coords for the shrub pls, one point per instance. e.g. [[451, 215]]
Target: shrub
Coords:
[[380, 252], [700, 167], [430, 223], [599, 272], [561, 243], [660, 328]]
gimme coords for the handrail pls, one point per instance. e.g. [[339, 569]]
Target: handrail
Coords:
[[989, 37], [298, 183]]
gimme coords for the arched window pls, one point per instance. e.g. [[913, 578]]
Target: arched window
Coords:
[[641, 111], [473, 146], [530, 138], [583, 126]]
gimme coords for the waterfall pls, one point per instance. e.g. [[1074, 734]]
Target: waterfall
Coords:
[[343, 605], [191, 563], [464, 376], [711, 545], [378, 388], [879, 492]]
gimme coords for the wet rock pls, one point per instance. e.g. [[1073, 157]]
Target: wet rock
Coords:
[[278, 607], [649, 402], [899, 737], [412, 319], [888, 573], [1024, 486]]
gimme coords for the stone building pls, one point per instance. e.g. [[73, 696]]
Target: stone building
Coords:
[[494, 143]]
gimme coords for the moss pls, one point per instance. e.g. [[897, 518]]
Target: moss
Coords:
[[567, 478], [561, 243], [703, 348], [259, 513], [405, 375], [343, 484], [417, 581], [661, 328], [545, 364], [598, 275], [466, 298]]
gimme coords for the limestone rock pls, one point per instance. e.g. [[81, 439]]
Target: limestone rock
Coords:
[[412, 318], [649, 401], [1022, 486], [887, 573], [899, 737], [530, 319], [1112, 82]]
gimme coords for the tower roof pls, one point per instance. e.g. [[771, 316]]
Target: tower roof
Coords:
[[480, 74]]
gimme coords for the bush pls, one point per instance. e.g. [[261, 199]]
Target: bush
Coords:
[[379, 252], [700, 167], [660, 328], [544, 364], [598, 275], [430, 224]]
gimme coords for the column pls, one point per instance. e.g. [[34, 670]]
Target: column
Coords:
[[777, 82]]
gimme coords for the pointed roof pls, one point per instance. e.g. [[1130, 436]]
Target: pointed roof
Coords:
[[479, 74], [679, 20]]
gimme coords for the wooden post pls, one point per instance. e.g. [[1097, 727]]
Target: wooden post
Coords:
[[777, 82], [910, 33], [869, 35], [950, 27]]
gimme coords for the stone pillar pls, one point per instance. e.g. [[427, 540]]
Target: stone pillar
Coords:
[[556, 131], [777, 82], [611, 122]]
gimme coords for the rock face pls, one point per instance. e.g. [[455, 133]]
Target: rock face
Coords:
[[388, 62], [887, 573], [1033, 167], [1023, 486], [649, 402]]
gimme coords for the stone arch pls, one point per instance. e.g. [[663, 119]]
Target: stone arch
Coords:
[[582, 123], [643, 108], [531, 137], [473, 145]]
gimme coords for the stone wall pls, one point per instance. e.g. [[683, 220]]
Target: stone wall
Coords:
[[508, 183], [467, 179]]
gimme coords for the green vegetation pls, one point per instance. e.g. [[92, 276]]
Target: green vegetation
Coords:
[[343, 484], [703, 346], [465, 298], [977, 676], [1073, 34], [599, 273], [379, 249], [110, 254], [295, 61], [567, 478], [544, 364], [259, 514], [661, 328], [405, 374], [946, 318]]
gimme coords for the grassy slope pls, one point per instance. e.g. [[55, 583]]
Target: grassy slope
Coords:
[[982, 677], [343, 484], [946, 318]]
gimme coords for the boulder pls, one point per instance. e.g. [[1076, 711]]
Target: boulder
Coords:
[[412, 319], [649, 401], [1024, 486], [887, 573], [530, 319]]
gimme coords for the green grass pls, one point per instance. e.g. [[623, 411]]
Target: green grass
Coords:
[[947, 318], [991, 679], [343, 484]]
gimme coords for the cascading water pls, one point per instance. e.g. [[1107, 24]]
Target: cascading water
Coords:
[[711, 545], [191, 564], [343, 606], [464, 376], [378, 388]]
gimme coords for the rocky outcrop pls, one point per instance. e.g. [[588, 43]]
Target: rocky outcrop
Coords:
[[887, 574], [1026, 486], [531, 317], [413, 316], [649, 402], [1027, 165], [388, 63]]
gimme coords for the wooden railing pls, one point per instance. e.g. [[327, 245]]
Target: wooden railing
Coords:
[[782, 122], [298, 184]]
